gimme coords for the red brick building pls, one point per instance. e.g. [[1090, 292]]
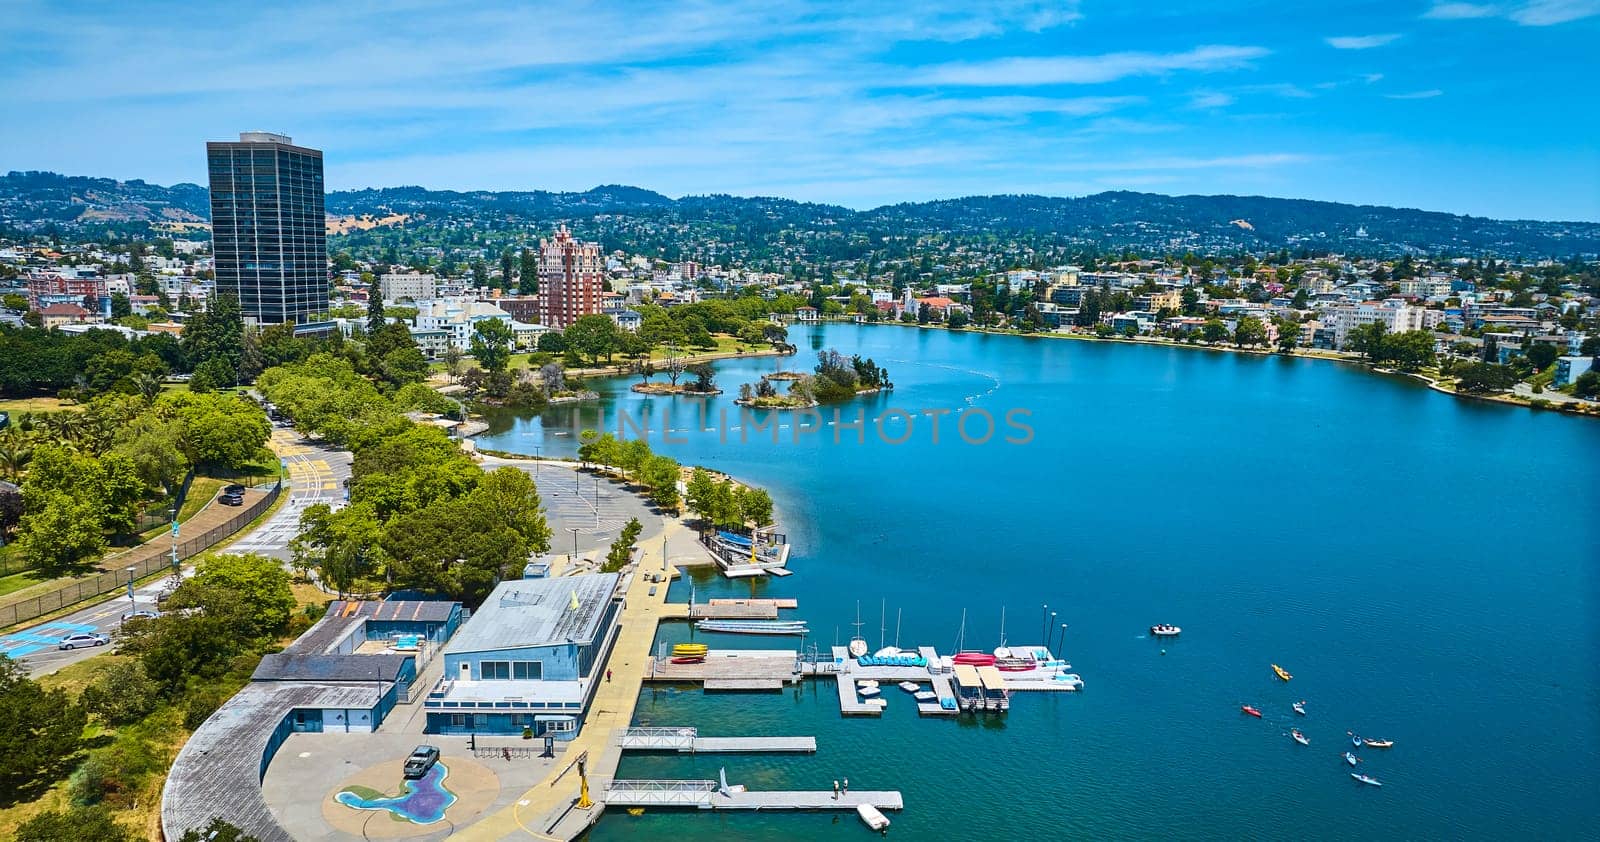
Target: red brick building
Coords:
[[570, 279]]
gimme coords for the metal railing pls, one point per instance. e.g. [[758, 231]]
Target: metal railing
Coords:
[[660, 793], [145, 559], [658, 738]]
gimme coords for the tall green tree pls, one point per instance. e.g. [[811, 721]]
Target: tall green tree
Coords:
[[375, 319], [40, 732], [507, 270], [217, 334], [528, 280], [491, 344], [593, 336], [74, 824]]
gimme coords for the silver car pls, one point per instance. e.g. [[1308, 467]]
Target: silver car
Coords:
[[79, 641]]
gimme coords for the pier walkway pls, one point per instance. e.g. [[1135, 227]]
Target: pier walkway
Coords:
[[729, 669], [689, 741], [704, 795], [888, 677]]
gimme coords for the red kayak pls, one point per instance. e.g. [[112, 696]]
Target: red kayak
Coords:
[[974, 659], [1250, 710], [700, 659]]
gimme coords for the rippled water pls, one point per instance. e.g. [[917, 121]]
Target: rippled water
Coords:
[[1425, 567]]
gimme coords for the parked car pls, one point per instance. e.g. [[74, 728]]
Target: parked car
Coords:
[[235, 488], [421, 760], [231, 498], [139, 615], [79, 641]]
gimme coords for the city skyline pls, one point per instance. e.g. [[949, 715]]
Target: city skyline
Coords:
[[1407, 105]]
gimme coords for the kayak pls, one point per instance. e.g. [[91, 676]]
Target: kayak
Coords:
[[1369, 781], [1300, 738], [1250, 710], [1299, 707], [689, 659], [1282, 673], [1351, 759]]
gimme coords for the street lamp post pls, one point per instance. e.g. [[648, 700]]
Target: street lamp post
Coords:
[[573, 559], [134, 606]]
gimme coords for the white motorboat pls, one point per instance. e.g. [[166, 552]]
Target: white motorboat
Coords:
[[871, 817], [888, 652], [877, 703], [926, 696], [868, 692], [908, 686]]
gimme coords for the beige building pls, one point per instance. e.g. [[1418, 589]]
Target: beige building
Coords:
[[416, 286]]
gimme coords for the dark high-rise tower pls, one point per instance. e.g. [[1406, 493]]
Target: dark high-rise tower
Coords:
[[267, 228]]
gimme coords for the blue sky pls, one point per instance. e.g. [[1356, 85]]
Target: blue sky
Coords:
[[1487, 108]]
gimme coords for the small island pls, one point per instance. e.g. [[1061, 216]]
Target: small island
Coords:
[[837, 378], [704, 382]]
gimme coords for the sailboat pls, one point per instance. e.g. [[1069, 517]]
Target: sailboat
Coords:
[[858, 644], [965, 656]]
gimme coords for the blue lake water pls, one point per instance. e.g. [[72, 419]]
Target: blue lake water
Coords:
[[1426, 567]]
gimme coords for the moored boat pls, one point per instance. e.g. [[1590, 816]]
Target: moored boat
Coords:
[[1351, 758], [925, 695], [871, 817], [1282, 673], [866, 682], [868, 692], [908, 686], [1299, 707], [1165, 630], [1369, 742], [690, 649], [753, 626], [1366, 779], [973, 659], [1250, 710], [1300, 738], [689, 659]]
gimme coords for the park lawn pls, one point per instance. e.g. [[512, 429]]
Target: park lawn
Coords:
[[17, 406], [17, 581]]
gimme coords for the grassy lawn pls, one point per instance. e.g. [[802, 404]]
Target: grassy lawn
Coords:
[[17, 406], [17, 581]]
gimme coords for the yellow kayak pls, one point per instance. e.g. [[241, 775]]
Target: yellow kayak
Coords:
[[1282, 673], [689, 649]]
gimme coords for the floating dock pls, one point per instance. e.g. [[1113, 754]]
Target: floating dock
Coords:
[[722, 667], [705, 795], [687, 740], [849, 671]]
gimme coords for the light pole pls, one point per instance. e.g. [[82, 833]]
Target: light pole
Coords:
[[573, 559], [536, 463], [1047, 630], [1045, 620], [134, 605]]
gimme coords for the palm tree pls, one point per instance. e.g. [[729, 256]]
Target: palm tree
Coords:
[[15, 454]]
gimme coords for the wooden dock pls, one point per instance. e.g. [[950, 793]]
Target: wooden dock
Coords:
[[850, 704], [725, 665], [733, 612], [735, 684]]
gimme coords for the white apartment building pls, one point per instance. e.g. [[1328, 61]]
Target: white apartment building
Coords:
[[457, 317], [1396, 315], [416, 286]]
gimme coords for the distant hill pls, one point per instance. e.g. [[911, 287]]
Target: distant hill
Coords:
[[1112, 220]]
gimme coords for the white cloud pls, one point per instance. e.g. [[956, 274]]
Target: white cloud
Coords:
[[1461, 11], [1548, 12], [1532, 13], [1427, 94], [1210, 99], [1361, 42], [1088, 70], [1369, 78]]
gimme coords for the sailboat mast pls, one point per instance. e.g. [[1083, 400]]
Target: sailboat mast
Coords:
[[1002, 626], [883, 621], [961, 636], [897, 613]]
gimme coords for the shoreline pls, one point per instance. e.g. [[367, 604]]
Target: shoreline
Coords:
[[1573, 407], [617, 369]]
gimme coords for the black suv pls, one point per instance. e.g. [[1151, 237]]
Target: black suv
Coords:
[[421, 760], [232, 495]]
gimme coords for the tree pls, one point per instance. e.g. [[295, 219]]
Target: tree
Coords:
[[343, 545], [528, 281], [222, 430], [551, 342], [1587, 385], [122, 694], [10, 510], [1288, 335], [1590, 347], [1409, 350], [755, 505], [40, 732], [260, 582], [592, 336], [702, 492], [1542, 356], [507, 270], [1214, 330], [217, 831], [1250, 331], [508, 497], [216, 338], [1478, 378], [621, 552], [660, 475], [1367, 340], [491, 344], [75, 824], [375, 319], [705, 377]]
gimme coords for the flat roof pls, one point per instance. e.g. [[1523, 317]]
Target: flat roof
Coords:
[[293, 666], [218, 772], [991, 678], [537, 612], [967, 675]]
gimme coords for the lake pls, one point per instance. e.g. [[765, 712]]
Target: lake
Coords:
[[1424, 566]]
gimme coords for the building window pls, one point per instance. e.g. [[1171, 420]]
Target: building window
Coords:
[[527, 670], [561, 725], [494, 670], [458, 720]]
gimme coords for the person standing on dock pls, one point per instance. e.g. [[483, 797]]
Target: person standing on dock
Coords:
[[846, 786], [836, 790]]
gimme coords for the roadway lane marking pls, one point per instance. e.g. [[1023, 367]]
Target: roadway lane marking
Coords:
[[68, 626]]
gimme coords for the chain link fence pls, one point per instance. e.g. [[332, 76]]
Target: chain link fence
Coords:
[[144, 559]]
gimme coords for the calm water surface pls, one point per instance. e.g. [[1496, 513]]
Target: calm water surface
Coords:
[[1426, 567]]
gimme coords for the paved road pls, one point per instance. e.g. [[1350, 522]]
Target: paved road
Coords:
[[316, 475]]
